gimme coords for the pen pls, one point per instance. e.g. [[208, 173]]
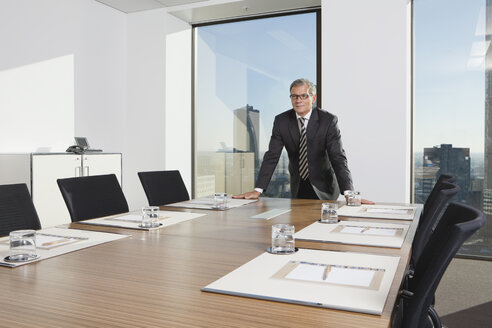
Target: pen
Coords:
[[50, 243], [338, 266], [327, 270]]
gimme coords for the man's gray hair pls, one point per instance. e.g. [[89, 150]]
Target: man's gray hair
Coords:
[[299, 82]]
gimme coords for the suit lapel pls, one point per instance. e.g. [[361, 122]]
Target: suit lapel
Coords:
[[294, 128], [313, 124]]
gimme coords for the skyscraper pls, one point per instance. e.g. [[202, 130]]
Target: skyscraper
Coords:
[[247, 131], [449, 160]]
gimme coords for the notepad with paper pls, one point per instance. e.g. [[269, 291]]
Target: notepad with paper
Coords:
[[356, 233], [207, 203], [48, 241], [354, 281], [362, 277], [134, 220], [52, 242], [393, 212]]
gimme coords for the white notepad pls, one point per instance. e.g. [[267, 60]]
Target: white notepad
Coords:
[[392, 212], [48, 241], [207, 203], [366, 230], [356, 233], [69, 240], [336, 275], [134, 221]]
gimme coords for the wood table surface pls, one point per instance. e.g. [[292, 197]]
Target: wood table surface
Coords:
[[154, 278]]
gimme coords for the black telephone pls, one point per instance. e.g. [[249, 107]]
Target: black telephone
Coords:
[[77, 149], [80, 147]]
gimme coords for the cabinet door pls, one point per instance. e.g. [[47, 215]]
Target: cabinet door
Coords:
[[97, 164], [46, 195]]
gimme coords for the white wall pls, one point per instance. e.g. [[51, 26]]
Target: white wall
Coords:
[[159, 99], [365, 77], [36, 102], [119, 86], [35, 31]]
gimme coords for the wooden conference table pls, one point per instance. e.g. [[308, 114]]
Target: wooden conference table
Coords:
[[153, 278]]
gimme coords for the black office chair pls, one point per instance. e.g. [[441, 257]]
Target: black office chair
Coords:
[[163, 187], [457, 224], [430, 217], [93, 196], [17, 211], [442, 178]]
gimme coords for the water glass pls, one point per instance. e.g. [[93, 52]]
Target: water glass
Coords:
[[354, 198], [22, 245], [150, 217], [329, 213], [283, 240], [220, 201]]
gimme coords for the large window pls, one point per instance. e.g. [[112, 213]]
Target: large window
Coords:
[[452, 104], [243, 71]]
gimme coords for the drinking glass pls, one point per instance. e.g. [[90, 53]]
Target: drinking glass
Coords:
[[283, 240], [329, 213], [220, 201], [150, 217], [22, 245], [354, 198]]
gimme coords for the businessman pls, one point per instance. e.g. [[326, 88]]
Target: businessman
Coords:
[[317, 162]]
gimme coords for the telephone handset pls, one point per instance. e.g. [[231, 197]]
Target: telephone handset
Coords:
[[77, 149]]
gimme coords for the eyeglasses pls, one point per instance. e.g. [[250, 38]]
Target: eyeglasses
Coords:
[[304, 96]]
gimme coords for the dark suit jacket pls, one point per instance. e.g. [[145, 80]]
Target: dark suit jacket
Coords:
[[327, 163]]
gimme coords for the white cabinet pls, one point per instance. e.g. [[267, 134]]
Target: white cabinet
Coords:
[[41, 170]]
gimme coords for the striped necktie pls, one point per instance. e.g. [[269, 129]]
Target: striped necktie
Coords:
[[303, 167]]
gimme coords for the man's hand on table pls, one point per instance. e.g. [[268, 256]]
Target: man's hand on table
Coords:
[[362, 201], [248, 195]]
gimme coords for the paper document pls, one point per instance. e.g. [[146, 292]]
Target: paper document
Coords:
[[52, 242], [392, 212], [135, 218], [208, 203], [356, 233], [334, 274], [389, 210], [47, 241], [370, 230]]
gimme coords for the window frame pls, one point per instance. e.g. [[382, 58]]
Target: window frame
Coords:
[[316, 10]]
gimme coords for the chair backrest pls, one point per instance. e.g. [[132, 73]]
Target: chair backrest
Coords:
[[163, 187], [17, 211], [442, 178], [430, 216], [93, 196], [457, 224]]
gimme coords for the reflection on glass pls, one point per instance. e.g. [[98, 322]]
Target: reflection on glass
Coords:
[[242, 76], [452, 96]]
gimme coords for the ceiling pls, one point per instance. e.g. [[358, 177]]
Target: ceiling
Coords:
[[202, 11]]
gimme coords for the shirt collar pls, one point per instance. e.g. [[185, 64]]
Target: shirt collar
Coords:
[[307, 116]]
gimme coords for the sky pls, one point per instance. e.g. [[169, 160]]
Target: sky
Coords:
[[449, 73], [250, 62]]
